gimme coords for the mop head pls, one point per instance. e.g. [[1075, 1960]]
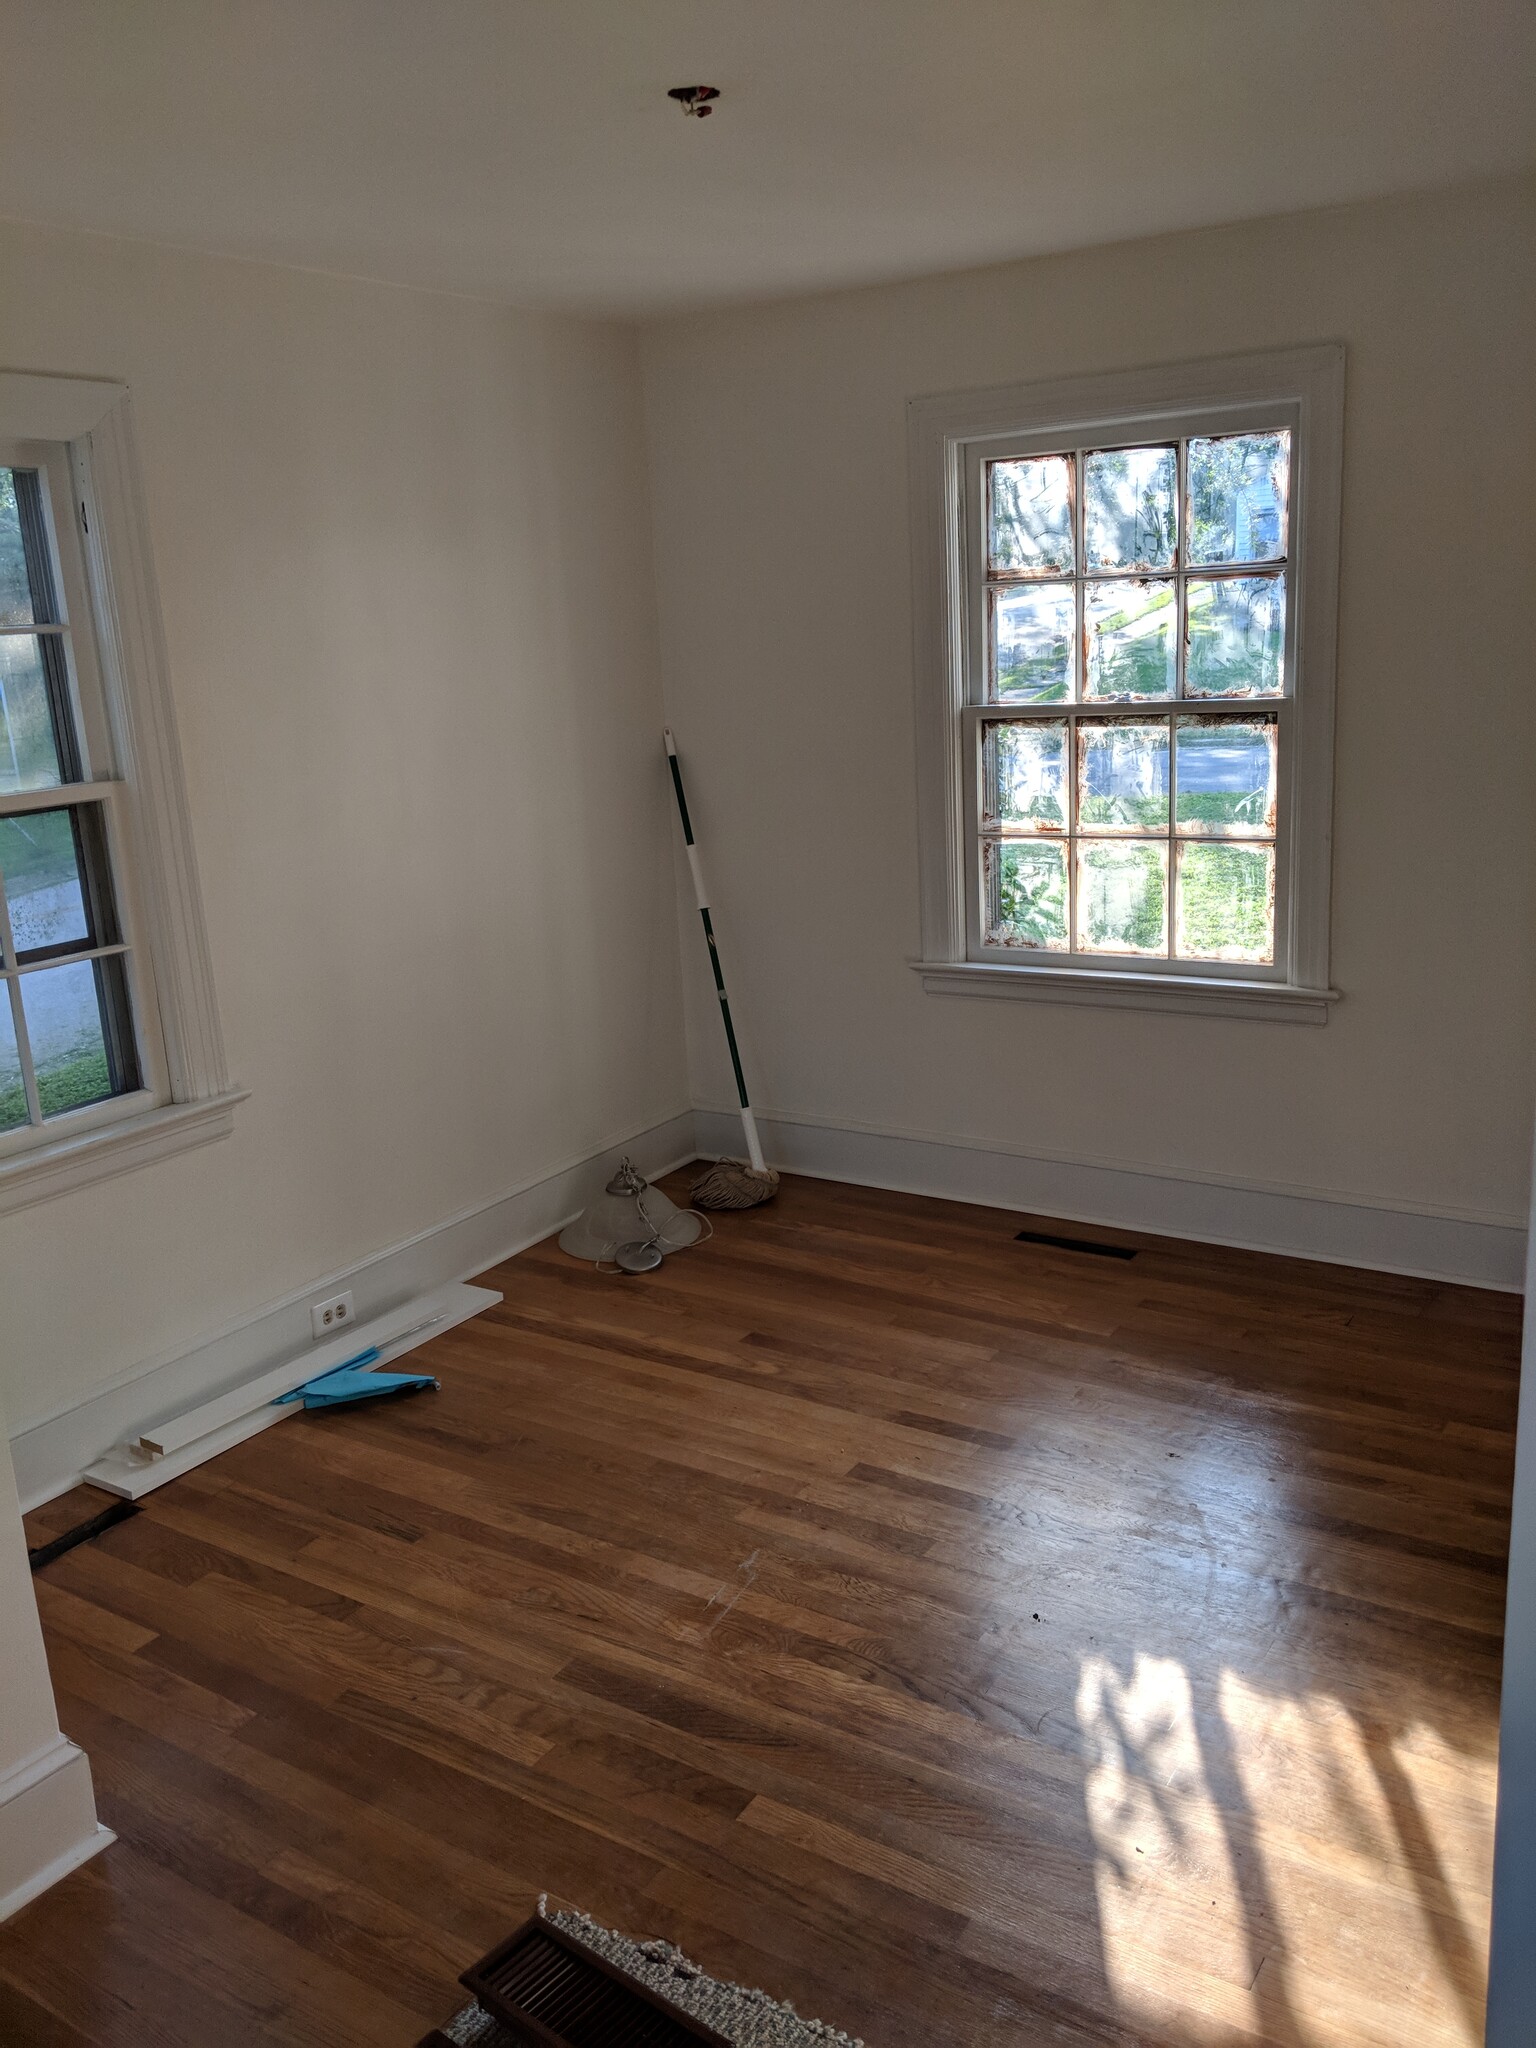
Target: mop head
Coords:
[[733, 1184]]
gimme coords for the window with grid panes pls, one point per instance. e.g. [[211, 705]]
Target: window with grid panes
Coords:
[[1130, 727], [1124, 601], [68, 1044]]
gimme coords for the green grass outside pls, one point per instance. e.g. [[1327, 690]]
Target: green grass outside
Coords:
[[1223, 807], [1141, 668], [80, 1079], [1149, 811], [1037, 679], [37, 850], [1224, 903], [1140, 924], [1225, 909]]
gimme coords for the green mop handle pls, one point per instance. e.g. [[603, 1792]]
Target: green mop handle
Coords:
[[748, 1121]]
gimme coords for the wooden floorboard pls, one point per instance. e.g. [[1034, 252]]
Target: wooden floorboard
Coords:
[[975, 1642]]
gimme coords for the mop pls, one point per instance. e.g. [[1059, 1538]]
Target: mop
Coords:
[[729, 1183]]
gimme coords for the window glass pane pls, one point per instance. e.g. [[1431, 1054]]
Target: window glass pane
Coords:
[[29, 753], [1034, 629], [1122, 896], [41, 872], [1024, 775], [1236, 637], [1122, 775], [1026, 882], [1239, 485], [68, 1035], [13, 1094], [1225, 775], [1129, 496], [1132, 650], [1029, 516], [1226, 902], [15, 590]]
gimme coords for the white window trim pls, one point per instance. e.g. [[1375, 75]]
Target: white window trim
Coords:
[[93, 417], [941, 430]]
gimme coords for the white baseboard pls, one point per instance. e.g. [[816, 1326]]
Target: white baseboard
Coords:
[[1343, 1230], [48, 1824], [52, 1452]]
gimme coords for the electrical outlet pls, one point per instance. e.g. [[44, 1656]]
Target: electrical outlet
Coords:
[[331, 1315]]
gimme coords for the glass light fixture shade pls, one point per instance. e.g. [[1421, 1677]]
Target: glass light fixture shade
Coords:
[[629, 1211]]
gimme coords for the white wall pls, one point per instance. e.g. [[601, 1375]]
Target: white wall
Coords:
[[779, 462], [403, 548]]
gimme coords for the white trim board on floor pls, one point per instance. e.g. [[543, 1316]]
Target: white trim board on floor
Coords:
[[52, 1452], [164, 1452], [1341, 1230]]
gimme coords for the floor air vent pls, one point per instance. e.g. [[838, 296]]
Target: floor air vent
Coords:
[[1076, 1244], [548, 1991]]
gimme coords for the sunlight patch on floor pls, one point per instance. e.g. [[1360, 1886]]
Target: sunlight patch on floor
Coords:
[[1167, 1891], [1310, 1867], [1375, 1846]]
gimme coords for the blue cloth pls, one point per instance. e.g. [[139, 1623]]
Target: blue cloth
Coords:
[[336, 1388], [352, 1381]]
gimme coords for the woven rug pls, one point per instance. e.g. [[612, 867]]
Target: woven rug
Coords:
[[749, 2018]]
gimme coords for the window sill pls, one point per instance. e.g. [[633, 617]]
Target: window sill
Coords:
[[1279, 1002], [107, 1149]]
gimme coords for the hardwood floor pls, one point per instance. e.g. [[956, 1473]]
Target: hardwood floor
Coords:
[[974, 1642]]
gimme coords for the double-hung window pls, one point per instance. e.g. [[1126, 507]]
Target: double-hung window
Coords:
[[110, 1050], [1125, 685], [72, 1036]]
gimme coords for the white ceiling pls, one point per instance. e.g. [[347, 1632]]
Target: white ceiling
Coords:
[[526, 150]]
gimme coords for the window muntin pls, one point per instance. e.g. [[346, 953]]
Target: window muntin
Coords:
[[1128, 698], [69, 1049]]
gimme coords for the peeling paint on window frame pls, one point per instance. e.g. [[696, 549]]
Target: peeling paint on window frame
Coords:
[[949, 436]]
